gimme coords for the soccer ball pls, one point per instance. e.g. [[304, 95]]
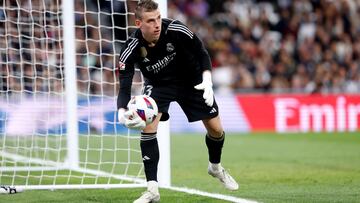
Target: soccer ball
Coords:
[[145, 107]]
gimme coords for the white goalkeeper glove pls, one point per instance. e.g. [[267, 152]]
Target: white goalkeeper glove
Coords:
[[206, 85], [121, 115], [131, 119]]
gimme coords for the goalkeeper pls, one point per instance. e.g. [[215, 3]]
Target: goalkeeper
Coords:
[[176, 67]]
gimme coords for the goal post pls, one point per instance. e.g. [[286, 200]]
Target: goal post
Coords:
[[164, 171], [70, 83], [58, 88]]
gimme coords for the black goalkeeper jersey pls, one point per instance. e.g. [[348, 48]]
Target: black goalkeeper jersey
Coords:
[[179, 57]]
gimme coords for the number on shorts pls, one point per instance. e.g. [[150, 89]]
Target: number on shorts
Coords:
[[147, 90]]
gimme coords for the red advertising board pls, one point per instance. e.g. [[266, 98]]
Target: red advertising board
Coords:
[[301, 113]]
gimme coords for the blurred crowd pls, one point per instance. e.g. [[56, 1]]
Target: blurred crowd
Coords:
[[305, 46], [32, 47], [279, 46]]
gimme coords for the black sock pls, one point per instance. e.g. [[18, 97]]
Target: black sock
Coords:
[[150, 155], [214, 146]]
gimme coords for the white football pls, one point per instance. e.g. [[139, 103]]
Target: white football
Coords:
[[145, 107]]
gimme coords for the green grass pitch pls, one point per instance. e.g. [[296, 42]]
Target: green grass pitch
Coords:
[[312, 167]]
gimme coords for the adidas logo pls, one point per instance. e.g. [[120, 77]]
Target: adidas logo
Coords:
[[145, 158], [146, 60], [213, 110]]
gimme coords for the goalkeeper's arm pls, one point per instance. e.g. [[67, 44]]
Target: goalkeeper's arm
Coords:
[[129, 118], [125, 80]]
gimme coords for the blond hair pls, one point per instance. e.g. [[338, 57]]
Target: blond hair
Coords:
[[145, 6]]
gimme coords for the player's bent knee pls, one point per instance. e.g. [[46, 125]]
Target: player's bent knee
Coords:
[[150, 129], [213, 124], [214, 127], [216, 133]]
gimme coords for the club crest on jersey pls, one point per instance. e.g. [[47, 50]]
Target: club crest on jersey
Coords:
[[170, 47], [121, 65]]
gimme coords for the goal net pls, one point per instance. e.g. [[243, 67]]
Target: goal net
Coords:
[[56, 132]]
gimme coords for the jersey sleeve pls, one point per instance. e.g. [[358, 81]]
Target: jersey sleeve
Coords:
[[126, 69], [191, 42]]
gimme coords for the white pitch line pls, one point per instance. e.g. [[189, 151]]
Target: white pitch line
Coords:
[[212, 195]]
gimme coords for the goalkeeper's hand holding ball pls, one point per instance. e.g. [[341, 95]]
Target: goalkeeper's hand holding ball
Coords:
[[130, 119]]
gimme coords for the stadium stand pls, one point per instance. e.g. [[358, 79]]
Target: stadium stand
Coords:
[[283, 46]]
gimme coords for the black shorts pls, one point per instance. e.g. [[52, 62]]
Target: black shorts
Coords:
[[190, 100]]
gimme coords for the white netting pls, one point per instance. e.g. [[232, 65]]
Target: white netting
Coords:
[[33, 145]]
